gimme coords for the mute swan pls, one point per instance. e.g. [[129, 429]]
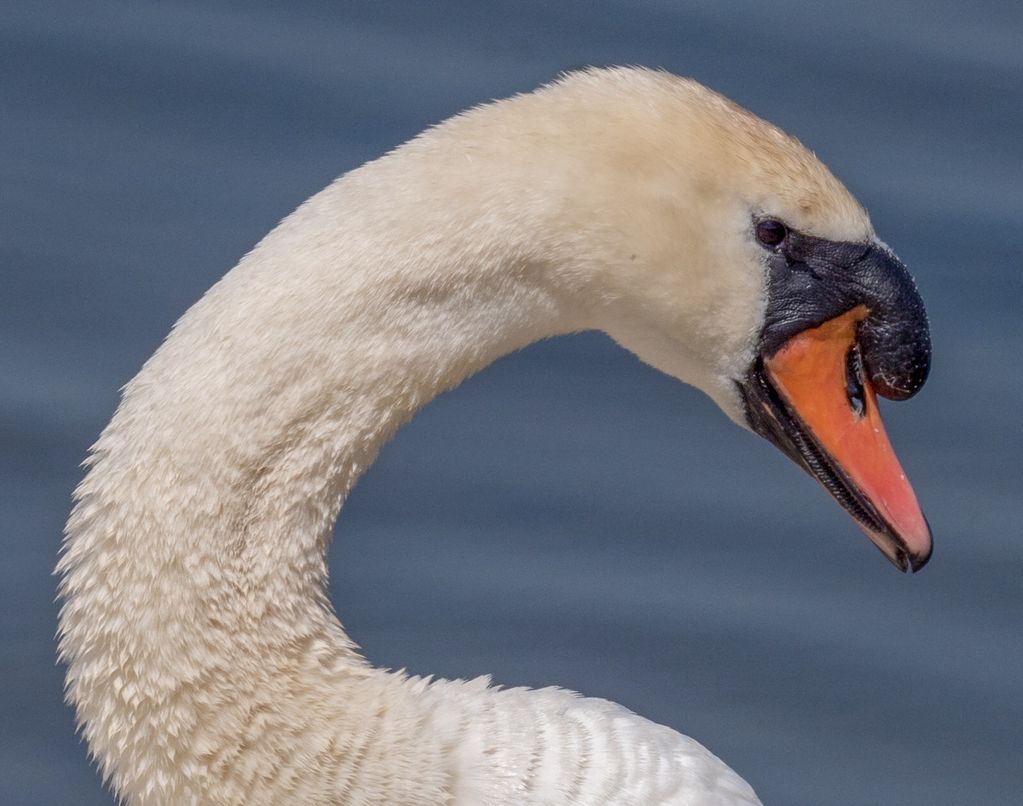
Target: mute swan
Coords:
[[203, 657]]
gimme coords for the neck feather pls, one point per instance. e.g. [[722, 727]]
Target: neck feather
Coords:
[[194, 564]]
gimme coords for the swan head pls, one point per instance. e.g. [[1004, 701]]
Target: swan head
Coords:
[[724, 253]]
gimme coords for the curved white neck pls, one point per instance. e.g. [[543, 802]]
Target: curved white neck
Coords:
[[197, 549]]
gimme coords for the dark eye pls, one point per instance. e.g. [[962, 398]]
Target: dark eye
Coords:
[[770, 233]]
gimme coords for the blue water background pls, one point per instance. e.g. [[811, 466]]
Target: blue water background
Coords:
[[569, 516]]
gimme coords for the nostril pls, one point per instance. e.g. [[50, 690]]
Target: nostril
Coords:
[[854, 381]]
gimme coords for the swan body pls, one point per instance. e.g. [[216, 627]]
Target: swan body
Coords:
[[204, 659]]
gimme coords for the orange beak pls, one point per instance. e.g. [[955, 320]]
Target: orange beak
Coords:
[[821, 410]]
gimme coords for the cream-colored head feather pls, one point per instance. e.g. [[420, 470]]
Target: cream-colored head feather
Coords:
[[646, 186]]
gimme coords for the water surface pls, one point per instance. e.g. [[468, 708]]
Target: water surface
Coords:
[[568, 516]]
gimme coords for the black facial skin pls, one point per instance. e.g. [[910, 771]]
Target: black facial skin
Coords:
[[810, 281]]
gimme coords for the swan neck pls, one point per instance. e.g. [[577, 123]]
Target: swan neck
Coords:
[[194, 569], [275, 392]]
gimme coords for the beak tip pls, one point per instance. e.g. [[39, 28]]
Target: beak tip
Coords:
[[915, 558], [918, 561], [904, 558]]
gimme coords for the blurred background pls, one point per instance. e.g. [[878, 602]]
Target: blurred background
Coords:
[[569, 516]]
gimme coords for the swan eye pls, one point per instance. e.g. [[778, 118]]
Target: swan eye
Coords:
[[770, 232]]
